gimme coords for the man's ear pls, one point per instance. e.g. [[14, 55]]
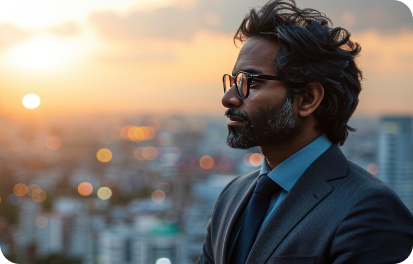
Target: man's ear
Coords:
[[308, 102]]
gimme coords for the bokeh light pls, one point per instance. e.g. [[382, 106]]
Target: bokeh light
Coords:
[[18, 145], [36, 193], [247, 159], [36, 146], [33, 190], [20, 189], [175, 125], [158, 196], [85, 189], [38, 196], [104, 155], [137, 134], [104, 193], [31, 101], [206, 162], [53, 143], [41, 222], [149, 132], [138, 153], [153, 122], [149, 153], [256, 159], [163, 261], [124, 132], [373, 168]]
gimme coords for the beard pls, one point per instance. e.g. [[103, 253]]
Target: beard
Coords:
[[266, 126]]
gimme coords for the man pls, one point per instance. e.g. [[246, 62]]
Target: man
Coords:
[[292, 91]]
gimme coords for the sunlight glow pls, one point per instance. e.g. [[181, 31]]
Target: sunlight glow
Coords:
[[31, 101], [43, 52], [32, 14]]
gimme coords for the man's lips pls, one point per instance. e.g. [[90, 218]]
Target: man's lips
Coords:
[[234, 120]]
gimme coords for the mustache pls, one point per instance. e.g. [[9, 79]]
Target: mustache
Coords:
[[238, 113]]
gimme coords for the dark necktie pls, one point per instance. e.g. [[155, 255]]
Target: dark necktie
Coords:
[[256, 211]]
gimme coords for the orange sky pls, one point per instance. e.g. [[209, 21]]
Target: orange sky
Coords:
[[78, 64]]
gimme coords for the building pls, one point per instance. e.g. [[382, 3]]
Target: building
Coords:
[[196, 216], [49, 234], [143, 242], [395, 156]]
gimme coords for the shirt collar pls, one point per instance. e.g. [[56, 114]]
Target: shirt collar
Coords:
[[287, 173]]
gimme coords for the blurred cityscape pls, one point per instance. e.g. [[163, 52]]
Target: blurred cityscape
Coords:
[[106, 190]]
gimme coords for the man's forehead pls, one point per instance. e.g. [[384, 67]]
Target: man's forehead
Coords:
[[257, 53]]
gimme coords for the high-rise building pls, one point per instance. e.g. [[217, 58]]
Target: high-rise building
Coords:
[[196, 216], [28, 212], [49, 234], [145, 242], [395, 156]]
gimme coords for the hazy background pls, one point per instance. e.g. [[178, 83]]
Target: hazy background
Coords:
[[125, 156]]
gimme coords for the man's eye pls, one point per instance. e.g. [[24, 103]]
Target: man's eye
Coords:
[[255, 83]]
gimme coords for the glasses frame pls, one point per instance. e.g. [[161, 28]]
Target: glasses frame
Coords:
[[249, 77]]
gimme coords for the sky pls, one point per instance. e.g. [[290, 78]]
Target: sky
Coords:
[[86, 57]]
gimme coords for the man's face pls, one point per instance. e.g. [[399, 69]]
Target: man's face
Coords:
[[266, 116]]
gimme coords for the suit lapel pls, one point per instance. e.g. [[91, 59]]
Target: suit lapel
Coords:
[[236, 206], [311, 188]]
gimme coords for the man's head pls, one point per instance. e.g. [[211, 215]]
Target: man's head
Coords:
[[320, 81]]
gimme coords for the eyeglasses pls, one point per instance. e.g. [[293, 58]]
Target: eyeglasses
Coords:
[[243, 82]]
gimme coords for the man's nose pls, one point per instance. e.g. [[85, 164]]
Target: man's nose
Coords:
[[231, 99]]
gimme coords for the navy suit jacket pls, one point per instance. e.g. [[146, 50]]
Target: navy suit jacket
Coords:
[[335, 213]]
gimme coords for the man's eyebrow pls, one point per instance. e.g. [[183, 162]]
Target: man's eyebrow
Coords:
[[249, 70]]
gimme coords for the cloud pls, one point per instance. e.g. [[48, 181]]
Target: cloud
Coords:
[[140, 57], [386, 54], [384, 16], [176, 22], [41, 14], [162, 23], [173, 22], [68, 28], [10, 34]]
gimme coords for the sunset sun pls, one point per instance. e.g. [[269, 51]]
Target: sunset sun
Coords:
[[31, 101]]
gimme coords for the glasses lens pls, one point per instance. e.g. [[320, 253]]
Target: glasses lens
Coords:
[[242, 84], [227, 82]]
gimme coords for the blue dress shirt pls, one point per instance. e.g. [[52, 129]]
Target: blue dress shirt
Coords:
[[287, 173]]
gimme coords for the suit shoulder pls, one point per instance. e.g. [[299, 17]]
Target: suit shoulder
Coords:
[[364, 179], [370, 189]]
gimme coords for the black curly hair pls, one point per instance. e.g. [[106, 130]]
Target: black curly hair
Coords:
[[311, 51]]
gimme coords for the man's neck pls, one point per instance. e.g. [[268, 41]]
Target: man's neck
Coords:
[[277, 154]]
